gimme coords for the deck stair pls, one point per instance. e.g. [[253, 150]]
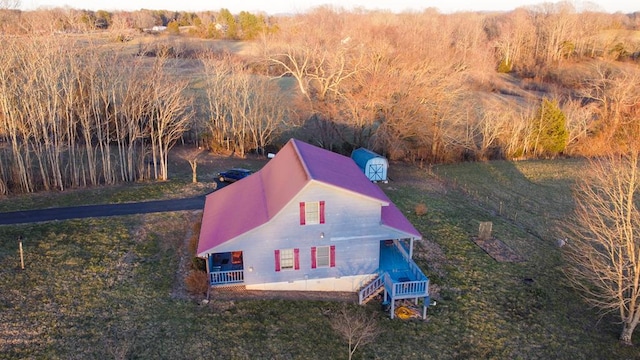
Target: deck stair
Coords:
[[399, 279], [371, 290], [372, 295]]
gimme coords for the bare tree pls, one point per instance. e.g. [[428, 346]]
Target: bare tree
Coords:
[[10, 4], [614, 89], [170, 117], [192, 156], [579, 121], [511, 35], [604, 246], [246, 111], [355, 326]]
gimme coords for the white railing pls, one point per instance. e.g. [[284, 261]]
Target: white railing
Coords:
[[370, 289], [417, 288], [413, 267], [226, 277]]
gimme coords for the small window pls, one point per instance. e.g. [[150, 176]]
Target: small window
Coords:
[[312, 212], [322, 256]]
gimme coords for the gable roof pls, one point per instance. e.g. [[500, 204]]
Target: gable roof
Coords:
[[253, 201]]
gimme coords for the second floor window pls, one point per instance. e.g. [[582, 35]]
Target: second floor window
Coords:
[[311, 212]]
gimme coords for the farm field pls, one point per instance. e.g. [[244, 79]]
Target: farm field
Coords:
[[112, 287]]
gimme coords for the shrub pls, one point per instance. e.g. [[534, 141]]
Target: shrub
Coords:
[[421, 209], [505, 67], [198, 264], [192, 247], [173, 28], [197, 282], [193, 244]]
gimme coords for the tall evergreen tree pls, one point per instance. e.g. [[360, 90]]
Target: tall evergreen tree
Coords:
[[549, 134]]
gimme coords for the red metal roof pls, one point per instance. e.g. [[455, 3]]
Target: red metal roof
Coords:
[[253, 201]]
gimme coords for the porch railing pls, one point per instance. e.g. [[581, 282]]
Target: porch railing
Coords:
[[413, 267], [409, 288], [226, 277]]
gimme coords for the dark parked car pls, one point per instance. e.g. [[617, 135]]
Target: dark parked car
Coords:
[[233, 175]]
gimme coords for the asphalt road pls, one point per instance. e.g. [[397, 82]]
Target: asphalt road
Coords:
[[88, 211]]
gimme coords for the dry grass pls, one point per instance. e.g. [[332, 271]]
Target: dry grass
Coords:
[[112, 290]]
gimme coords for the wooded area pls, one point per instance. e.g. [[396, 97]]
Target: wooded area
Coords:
[[79, 108]]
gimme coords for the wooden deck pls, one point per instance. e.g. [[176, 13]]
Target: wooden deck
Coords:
[[400, 278]]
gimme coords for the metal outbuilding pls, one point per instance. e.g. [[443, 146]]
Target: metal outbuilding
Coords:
[[373, 165]]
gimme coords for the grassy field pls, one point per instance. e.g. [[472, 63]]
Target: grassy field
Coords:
[[106, 288]]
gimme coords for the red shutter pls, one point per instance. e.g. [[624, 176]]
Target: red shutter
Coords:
[[296, 259], [321, 212], [332, 258], [302, 220], [277, 260], [313, 257]]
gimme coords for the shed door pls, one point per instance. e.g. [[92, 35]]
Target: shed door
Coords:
[[376, 172]]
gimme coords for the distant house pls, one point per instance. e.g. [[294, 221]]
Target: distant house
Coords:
[[310, 220], [374, 166]]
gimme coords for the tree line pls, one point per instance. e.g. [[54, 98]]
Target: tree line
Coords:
[[535, 82], [73, 116], [423, 86], [221, 24]]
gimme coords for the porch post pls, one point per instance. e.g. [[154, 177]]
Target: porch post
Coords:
[[208, 277], [411, 248]]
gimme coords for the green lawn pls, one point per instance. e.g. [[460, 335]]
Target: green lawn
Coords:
[[105, 288]]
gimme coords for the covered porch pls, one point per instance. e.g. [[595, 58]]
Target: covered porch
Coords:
[[225, 268], [399, 277]]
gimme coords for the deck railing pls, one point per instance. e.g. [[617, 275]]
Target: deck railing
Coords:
[[413, 267], [410, 288], [226, 277]]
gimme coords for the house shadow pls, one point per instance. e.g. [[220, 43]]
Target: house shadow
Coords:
[[533, 195]]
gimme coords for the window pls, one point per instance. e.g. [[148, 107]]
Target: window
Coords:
[[287, 259], [323, 256], [312, 212]]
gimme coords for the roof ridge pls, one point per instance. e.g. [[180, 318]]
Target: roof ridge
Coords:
[[294, 142]]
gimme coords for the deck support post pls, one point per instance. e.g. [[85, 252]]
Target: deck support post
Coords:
[[425, 304], [393, 308]]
